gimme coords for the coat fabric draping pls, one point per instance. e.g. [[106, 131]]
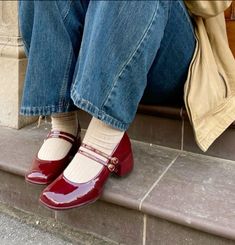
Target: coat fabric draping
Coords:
[[209, 92]]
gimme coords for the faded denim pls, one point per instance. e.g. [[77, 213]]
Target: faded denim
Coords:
[[104, 56]]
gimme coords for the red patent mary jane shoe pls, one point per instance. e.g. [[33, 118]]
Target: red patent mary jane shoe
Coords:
[[44, 172], [64, 194]]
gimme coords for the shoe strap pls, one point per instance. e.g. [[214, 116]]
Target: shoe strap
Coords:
[[63, 135], [111, 162]]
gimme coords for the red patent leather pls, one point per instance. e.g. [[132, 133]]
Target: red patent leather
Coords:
[[64, 194], [43, 172]]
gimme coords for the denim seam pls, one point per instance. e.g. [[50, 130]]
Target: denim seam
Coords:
[[66, 11], [132, 55], [96, 112], [187, 16], [169, 13], [64, 14], [66, 75]]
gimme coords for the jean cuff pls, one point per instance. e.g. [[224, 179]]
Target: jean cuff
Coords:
[[90, 108], [46, 110]]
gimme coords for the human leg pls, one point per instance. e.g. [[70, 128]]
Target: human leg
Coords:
[[120, 41], [165, 80], [52, 32], [103, 68]]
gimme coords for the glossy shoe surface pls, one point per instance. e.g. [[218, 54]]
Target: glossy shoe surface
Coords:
[[65, 194], [43, 172]]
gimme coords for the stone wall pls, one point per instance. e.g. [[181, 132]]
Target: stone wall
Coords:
[[12, 67]]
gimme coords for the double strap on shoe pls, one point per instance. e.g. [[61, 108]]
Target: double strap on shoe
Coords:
[[63, 135], [110, 162]]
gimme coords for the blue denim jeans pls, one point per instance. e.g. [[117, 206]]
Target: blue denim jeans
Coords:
[[104, 56]]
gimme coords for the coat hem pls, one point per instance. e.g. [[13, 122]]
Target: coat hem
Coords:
[[209, 128]]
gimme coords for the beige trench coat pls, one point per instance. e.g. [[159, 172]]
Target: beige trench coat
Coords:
[[210, 87]]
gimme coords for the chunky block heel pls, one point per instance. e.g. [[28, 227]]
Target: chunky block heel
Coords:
[[125, 166]]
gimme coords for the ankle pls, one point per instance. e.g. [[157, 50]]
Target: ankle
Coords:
[[102, 136], [66, 122]]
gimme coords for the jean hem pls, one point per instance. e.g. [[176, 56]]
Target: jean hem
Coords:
[[90, 108], [46, 110]]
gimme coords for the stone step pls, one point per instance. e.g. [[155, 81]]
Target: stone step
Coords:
[[170, 127], [22, 228], [171, 197]]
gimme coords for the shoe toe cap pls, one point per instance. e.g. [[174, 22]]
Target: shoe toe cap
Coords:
[[51, 200], [62, 194], [36, 177]]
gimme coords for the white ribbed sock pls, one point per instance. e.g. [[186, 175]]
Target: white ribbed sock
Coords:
[[57, 148], [103, 138]]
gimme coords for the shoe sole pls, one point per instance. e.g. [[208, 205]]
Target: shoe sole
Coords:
[[49, 207]]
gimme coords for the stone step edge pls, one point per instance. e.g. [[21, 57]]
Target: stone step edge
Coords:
[[158, 212]]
